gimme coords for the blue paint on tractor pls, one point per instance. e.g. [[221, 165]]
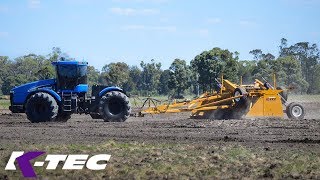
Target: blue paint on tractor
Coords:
[[81, 88], [56, 63], [21, 92], [69, 89], [108, 89], [46, 90]]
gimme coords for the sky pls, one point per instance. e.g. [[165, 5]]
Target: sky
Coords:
[[105, 31]]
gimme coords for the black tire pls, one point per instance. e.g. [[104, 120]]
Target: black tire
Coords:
[[95, 116], [295, 111], [283, 94], [114, 107], [242, 100], [41, 107], [63, 117]]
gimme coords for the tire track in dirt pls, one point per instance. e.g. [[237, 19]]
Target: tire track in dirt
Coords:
[[172, 128]]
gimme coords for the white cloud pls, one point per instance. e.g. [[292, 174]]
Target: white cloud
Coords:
[[132, 11], [214, 20], [33, 4], [150, 28]]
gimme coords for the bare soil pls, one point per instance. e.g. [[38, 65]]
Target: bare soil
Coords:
[[178, 128], [276, 137]]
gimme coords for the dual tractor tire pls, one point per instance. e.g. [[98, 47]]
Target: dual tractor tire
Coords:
[[114, 107], [41, 107]]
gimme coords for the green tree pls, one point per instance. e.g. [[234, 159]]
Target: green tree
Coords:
[[211, 64], [268, 56], [178, 76], [4, 72], [134, 80], [150, 77], [308, 55], [164, 81], [26, 69], [263, 66], [58, 55], [284, 51], [257, 54], [93, 76], [317, 79], [286, 68], [246, 69], [55, 54], [116, 73], [263, 69], [289, 73]]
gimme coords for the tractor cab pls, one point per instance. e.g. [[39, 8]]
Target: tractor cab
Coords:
[[71, 83], [71, 76]]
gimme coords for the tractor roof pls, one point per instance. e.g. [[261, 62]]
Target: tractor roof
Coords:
[[69, 63]]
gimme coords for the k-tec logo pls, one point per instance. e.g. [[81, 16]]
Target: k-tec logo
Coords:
[[71, 161]]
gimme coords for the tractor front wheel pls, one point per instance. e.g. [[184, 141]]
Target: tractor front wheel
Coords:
[[114, 107], [41, 107]]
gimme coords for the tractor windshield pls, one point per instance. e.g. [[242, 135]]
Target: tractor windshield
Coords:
[[69, 76]]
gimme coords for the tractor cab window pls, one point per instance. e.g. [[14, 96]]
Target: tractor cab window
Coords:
[[68, 71], [82, 74], [69, 76]]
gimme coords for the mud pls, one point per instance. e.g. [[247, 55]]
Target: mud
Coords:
[[16, 130]]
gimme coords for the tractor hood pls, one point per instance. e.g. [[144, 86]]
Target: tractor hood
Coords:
[[20, 93], [33, 86]]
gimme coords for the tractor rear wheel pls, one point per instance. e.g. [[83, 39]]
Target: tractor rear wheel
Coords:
[[114, 107], [41, 107], [295, 111]]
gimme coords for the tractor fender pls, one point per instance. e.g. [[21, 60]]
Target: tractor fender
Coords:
[[108, 89], [49, 91]]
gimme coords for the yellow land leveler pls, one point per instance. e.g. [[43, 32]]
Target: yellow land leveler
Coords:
[[232, 101]]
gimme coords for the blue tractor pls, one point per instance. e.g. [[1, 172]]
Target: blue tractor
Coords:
[[56, 99]]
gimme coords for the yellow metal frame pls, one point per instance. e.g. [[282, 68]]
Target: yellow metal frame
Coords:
[[263, 101]]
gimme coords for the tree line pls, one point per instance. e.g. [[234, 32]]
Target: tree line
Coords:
[[297, 66]]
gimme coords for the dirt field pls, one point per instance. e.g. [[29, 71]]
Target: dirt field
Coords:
[[16, 129], [274, 135]]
